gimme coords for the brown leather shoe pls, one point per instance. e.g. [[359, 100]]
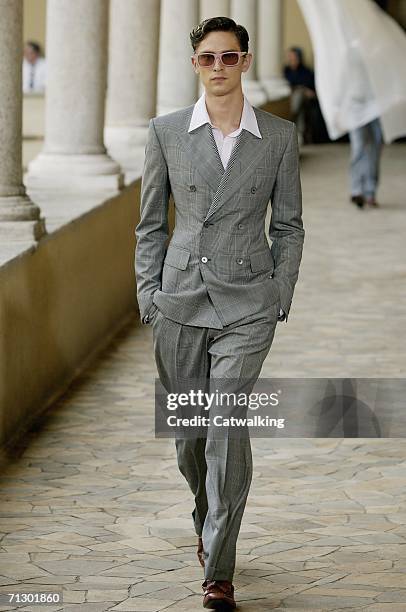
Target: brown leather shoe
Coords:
[[371, 202], [218, 595], [200, 551]]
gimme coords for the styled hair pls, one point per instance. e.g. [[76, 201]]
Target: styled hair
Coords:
[[214, 24], [299, 53]]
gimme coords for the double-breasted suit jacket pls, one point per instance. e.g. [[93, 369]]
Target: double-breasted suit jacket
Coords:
[[218, 267]]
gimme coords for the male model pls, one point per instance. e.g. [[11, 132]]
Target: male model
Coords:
[[214, 294]]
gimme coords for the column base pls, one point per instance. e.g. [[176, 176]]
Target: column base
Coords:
[[22, 231], [276, 88], [254, 92], [74, 172], [126, 144], [20, 220]]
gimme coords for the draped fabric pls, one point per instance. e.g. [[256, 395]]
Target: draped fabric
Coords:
[[360, 67]]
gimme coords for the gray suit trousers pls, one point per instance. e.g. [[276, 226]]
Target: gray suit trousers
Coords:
[[218, 472]]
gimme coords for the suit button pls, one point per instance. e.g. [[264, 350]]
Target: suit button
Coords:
[[239, 260], [204, 259], [192, 187], [240, 226], [253, 189]]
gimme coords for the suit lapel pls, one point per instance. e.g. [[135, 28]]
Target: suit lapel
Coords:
[[247, 151], [201, 146]]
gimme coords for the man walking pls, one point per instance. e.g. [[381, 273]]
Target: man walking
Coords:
[[214, 294], [366, 147]]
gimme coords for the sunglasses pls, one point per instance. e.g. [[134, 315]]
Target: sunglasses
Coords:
[[228, 58]]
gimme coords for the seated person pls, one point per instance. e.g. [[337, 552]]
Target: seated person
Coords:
[[303, 97]]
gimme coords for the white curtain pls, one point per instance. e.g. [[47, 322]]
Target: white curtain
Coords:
[[360, 66]]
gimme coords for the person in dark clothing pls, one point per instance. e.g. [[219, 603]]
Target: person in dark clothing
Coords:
[[296, 72], [303, 97]]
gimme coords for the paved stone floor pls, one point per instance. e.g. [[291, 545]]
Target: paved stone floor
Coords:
[[96, 504]]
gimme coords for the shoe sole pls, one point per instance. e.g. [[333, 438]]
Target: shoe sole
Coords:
[[219, 605]]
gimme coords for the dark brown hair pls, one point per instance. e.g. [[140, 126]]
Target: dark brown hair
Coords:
[[224, 24], [34, 46]]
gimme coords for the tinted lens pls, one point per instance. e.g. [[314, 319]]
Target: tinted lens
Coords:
[[206, 59], [230, 59]]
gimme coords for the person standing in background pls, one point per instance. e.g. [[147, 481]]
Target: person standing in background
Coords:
[[34, 69], [360, 76]]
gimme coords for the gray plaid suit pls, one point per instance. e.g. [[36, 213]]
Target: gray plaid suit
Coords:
[[218, 256], [213, 293]]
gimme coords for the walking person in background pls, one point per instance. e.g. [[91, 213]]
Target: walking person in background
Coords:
[[34, 69], [366, 146], [360, 76]]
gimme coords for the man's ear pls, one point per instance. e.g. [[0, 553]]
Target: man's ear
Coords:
[[246, 62], [195, 65]]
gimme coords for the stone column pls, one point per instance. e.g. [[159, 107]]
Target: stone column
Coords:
[[214, 8], [19, 217], [177, 81], [132, 78], [245, 13], [270, 49], [74, 154]]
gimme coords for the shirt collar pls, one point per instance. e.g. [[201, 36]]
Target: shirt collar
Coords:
[[200, 116]]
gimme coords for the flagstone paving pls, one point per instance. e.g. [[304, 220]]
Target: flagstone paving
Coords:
[[94, 504]]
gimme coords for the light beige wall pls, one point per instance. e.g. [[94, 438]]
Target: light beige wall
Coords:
[[34, 21], [59, 304], [295, 32]]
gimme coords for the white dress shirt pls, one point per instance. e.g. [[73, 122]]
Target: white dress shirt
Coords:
[[34, 76], [225, 144]]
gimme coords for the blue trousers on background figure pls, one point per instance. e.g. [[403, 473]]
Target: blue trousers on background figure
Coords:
[[366, 145]]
